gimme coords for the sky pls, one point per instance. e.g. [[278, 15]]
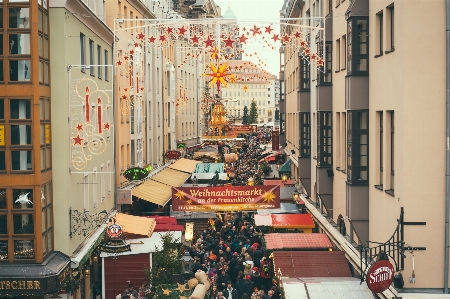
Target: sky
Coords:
[[263, 13]]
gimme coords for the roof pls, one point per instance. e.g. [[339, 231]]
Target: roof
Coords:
[[154, 192], [326, 287], [229, 14], [171, 177], [208, 176], [135, 225], [164, 219], [311, 264], [286, 167], [210, 168], [185, 165], [285, 207], [297, 241], [164, 227], [286, 192], [285, 220]]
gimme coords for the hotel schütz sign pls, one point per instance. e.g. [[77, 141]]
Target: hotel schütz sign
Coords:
[[227, 198], [380, 276]]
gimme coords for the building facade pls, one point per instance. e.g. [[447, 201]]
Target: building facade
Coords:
[[354, 125]]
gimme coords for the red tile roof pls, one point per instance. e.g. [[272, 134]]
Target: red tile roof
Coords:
[[311, 263], [297, 241], [292, 220]]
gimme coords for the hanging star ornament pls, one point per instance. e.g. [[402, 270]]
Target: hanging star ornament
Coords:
[[180, 195], [166, 291], [219, 75], [182, 287], [268, 197]]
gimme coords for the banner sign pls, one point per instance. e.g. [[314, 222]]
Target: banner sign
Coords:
[[227, 198], [380, 276], [135, 174]]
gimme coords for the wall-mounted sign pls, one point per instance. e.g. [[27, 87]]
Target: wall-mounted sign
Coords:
[[181, 146], [380, 276], [148, 168], [114, 231], [135, 174], [124, 197], [172, 155]]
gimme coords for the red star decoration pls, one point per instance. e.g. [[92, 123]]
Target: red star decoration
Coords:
[[77, 140], [226, 57], [313, 56], [79, 127], [124, 97], [125, 57], [320, 62], [162, 38], [106, 126], [169, 30], [236, 28], [141, 36], [242, 39], [255, 30], [182, 31], [268, 29], [195, 28], [151, 39], [307, 51], [195, 39], [275, 37], [136, 45], [303, 44], [125, 89], [297, 34], [228, 42], [142, 88], [119, 62], [286, 38], [209, 42], [131, 52]]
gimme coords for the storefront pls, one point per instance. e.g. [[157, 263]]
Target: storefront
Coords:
[[34, 280]]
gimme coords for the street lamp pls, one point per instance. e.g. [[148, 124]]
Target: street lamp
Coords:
[[186, 262], [295, 196], [194, 181], [284, 178], [250, 181]]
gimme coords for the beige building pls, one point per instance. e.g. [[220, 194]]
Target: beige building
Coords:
[[368, 128]]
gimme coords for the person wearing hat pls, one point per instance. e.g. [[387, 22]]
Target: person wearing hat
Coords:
[[256, 277], [248, 285], [229, 292], [130, 292]]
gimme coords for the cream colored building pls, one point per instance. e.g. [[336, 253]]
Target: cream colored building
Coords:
[[369, 133]]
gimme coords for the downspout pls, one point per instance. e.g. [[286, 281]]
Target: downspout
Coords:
[[447, 152]]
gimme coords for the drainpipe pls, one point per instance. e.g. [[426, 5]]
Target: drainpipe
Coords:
[[447, 152]]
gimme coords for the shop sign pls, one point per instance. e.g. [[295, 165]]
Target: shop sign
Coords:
[[135, 174], [173, 155], [226, 198], [380, 276], [114, 231], [14, 286], [181, 146], [124, 197], [115, 246], [2, 135]]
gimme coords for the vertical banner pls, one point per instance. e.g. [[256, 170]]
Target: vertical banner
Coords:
[[2, 135], [227, 198]]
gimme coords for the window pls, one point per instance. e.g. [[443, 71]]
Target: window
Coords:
[[99, 61], [343, 141], [91, 58], [304, 75], [338, 55], [325, 76], [343, 51], [45, 135], [358, 150], [390, 28], [106, 66], [19, 17], [379, 33], [390, 191], [19, 70], [43, 47], [19, 44], [380, 150], [82, 52], [305, 134], [324, 138], [358, 46]]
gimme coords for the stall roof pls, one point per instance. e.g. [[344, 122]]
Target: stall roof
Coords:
[[210, 168], [154, 192], [284, 208], [311, 263], [325, 287], [171, 177], [135, 225], [297, 241], [286, 167], [208, 176], [285, 220], [185, 165]]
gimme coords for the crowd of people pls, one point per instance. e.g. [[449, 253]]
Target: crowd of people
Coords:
[[230, 253]]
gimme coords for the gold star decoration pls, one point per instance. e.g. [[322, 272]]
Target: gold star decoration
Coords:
[[181, 287], [268, 196], [189, 201], [179, 195], [219, 75], [183, 297], [166, 291]]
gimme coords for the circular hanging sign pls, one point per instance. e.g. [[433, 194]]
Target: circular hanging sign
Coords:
[[380, 276], [135, 174], [173, 155], [114, 231]]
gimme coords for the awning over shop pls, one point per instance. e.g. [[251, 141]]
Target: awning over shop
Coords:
[[171, 177], [285, 207], [185, 165], [210, 168], [290, 221], [153, 192], [137, 226], [208, 176], [90, 245], [286, 168], [35, 278]]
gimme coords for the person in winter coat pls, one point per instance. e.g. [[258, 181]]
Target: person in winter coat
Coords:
[[266, 270], [240, 284], [248, 285], [256, 278], [223, 279], [257, 256], [230, 291]]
